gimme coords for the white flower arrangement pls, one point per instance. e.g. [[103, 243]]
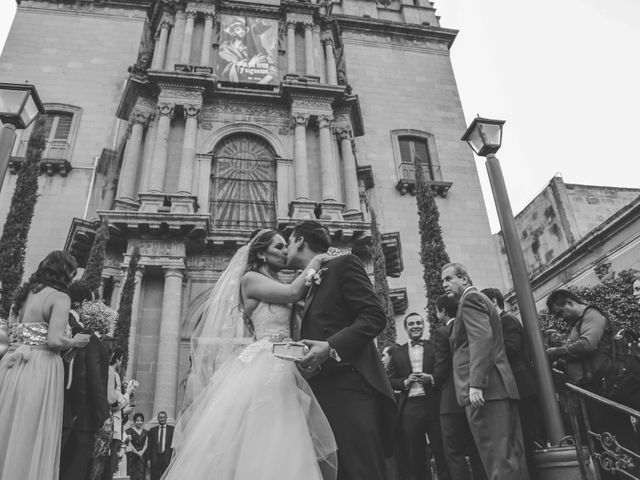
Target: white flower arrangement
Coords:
[[314, 277], [97, 317]]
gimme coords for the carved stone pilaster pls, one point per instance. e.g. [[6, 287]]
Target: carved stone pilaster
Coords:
[[301, 119], [191, 14], [344, 133], [324, 121], [291, 24]]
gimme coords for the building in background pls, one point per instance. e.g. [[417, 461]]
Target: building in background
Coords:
[[572, 235], [186, 125]]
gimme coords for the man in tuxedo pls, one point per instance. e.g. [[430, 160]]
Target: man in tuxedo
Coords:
[[410, 371], [85, 396], [522, 369], [483, 379], [160, 451], [457, 440], [341, 317]]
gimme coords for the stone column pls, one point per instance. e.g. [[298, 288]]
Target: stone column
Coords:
[[161, 46], [300, 167], [188, 158], [352, 194], [129, 170], [332, 75], [133, 331], [205, 56], [308, 49], [291, 47], [187, 40], [327, 177], [169, 344], [161, 152]]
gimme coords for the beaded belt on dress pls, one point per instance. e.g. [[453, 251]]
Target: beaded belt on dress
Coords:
[[277, 337]]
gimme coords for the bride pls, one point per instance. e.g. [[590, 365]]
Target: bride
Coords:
[[253, 415]]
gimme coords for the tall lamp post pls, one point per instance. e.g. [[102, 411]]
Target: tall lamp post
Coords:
[[484, 136], [19, 106]]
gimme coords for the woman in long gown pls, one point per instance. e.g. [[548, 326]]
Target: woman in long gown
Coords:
[[137, 449], [256, 417], [31, 373]]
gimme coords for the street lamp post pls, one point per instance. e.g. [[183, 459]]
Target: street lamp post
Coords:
[[19, 106], [484, 136]]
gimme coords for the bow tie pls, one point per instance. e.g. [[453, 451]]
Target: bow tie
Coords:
[[415, 343]]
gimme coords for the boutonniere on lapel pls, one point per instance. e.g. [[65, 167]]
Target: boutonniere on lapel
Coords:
[[314, 277]]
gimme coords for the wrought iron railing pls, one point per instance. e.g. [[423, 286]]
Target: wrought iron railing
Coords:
[[431, 171], [594, 420]]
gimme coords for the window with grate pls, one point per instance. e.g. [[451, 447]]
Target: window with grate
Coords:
[[60, 130], [243, 183], [415, 147]]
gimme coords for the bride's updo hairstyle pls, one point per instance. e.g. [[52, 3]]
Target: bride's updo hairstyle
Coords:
[[56, 271], [259, 244]]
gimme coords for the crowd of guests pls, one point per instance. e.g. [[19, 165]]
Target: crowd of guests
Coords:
[[467, 392], [62, 397]]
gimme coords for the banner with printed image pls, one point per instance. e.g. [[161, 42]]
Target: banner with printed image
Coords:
[[248, 50]]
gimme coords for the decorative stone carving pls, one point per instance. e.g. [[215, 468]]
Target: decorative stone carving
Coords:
[[157, 248], [300, 119], [166, 109], [312, 105], [263, 111], [191, 14], [140, 117], [344, 133], [284, 131], [207, 262], [291, 25], [192, 111], [308, 26], [324, 121], [179, 95]]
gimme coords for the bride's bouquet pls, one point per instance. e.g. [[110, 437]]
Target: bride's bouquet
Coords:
[[96, 317]]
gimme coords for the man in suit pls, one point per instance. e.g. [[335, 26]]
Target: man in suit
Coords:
[[85, 396], [522, 369], [341, 317], [160, 451], [483, 379], [457, 440], [410, 371]]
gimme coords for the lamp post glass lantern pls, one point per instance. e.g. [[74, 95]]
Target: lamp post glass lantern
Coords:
[[484, 135], [19, 104]]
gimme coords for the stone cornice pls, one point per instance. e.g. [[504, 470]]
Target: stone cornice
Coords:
[[241, 8], [379, 27], [304, 8], [82, 6]]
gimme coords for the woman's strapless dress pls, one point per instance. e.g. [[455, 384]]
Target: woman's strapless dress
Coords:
[[256, 419], [31, 402]]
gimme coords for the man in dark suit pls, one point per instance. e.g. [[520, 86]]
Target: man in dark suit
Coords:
[[410, 371], [341, 317], [160, 451], [522, 369], [85, 402], [483, 379], [457, 440]]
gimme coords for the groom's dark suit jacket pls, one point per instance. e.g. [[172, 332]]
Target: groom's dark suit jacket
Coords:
[[345, 311]]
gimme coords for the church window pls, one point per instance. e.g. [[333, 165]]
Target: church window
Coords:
[[60, 128], [411, 144], [243, 183]]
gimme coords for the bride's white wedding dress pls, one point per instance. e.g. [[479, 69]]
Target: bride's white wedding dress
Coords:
[[256, 419]]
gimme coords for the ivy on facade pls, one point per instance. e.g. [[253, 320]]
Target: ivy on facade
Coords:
[[95, 264], [388, 335], [13, 242], [613, 295], [433, 253], [123, 325]]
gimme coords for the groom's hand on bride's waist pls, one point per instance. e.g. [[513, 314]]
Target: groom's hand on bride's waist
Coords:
[[317, 355]]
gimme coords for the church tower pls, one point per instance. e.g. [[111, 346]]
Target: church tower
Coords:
[[186, 125]]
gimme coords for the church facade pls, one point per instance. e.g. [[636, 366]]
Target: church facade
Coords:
[[187, 125]]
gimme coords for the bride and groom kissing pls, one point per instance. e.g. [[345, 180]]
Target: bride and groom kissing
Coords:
[[253, 415]]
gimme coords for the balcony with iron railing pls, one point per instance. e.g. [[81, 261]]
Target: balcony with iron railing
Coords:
[[55, 157], [432, 173]]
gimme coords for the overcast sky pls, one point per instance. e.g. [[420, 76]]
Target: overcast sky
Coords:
[[563, 74]]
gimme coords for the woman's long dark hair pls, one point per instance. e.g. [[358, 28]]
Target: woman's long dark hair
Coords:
[[56, 271], [259, 244]]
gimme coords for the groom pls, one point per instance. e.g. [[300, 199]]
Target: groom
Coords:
[[341, 317]]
